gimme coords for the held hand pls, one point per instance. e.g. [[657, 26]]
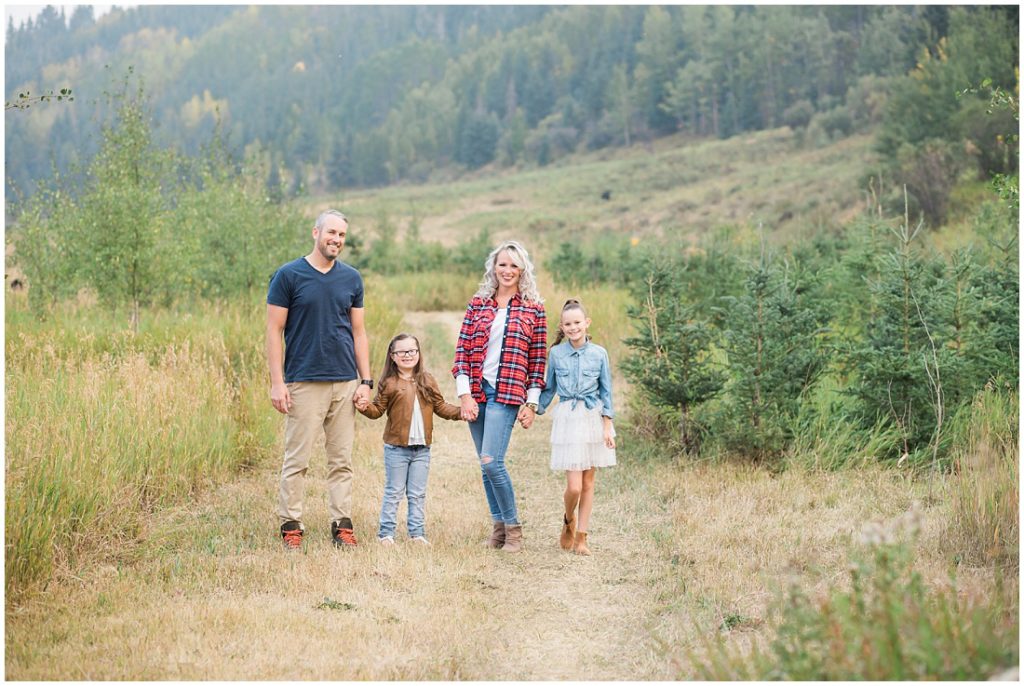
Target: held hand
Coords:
[[526, 416], [362, 395], [280, 398], [470, 410]]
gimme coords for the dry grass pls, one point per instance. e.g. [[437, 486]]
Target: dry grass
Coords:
[[211, 596], [984, 488], [679, 553]]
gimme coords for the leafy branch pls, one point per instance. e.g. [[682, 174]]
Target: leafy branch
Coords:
[[26, 99]]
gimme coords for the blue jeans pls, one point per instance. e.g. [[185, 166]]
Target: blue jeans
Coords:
[[405, 474], [491, 432]]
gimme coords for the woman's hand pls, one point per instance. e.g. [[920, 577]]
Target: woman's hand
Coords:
[[526, 416], [470, 410]]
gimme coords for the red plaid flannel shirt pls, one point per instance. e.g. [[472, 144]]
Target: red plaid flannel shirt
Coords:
[[523, 353]]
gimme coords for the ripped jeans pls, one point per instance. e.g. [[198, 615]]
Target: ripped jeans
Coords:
[[491, 433]]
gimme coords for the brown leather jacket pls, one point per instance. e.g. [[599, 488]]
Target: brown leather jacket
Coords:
[[395, 397]]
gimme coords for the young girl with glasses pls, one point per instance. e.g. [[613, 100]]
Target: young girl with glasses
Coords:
[[582, 434], [410, 397]]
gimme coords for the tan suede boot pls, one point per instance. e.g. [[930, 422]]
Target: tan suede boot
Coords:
[[497, 537], [568, 532], [580, 545], [513, 539]]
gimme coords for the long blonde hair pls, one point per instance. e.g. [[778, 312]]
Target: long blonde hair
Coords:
[[527, 281]]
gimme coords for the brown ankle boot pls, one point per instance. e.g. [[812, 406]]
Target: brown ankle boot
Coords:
[[568, 532], [497, 537], [513, 539], [580, 545]]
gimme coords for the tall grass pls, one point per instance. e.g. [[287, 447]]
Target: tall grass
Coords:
[[984, 486], [885, 623], [828, 435], [425, 291], [104, 426]]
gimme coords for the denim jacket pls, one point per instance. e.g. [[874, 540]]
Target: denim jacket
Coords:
[[584, 374]]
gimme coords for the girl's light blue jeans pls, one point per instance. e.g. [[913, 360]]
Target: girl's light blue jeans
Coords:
[[491, 433], [405, 474]]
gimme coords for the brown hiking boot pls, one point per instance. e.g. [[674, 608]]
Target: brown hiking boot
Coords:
[[513, 539], [568, 532], [497, 538], [291, 535], [580, 545]]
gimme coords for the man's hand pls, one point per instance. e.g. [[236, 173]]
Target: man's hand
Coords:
[[280, 398], [362, 395], [470, 410]]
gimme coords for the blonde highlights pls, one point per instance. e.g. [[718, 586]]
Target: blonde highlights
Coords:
[[527, 281]]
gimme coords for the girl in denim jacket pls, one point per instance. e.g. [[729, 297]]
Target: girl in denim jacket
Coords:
[[582, 434]]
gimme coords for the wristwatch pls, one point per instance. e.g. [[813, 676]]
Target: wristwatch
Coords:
[[532, 406], [367, 382]]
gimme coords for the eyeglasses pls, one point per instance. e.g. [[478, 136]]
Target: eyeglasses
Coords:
[[406, 353]]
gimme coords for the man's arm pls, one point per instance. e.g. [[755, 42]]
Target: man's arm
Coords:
[[357, 315], [279, 397]]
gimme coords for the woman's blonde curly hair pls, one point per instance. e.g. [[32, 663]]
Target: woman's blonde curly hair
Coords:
[[520, 258]]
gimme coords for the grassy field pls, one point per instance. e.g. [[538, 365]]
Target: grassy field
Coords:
[[203, 591], [141, 476], [672, 186]]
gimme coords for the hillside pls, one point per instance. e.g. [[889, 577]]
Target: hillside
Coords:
[[676, 186]]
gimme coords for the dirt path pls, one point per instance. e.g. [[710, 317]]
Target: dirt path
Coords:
[[209, 594]]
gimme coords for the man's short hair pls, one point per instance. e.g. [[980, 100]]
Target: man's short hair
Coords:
[[324, 215]]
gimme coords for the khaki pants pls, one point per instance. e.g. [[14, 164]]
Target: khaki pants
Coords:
[[319, 406]]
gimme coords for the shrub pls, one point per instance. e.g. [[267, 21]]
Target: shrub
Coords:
[[885, 625]]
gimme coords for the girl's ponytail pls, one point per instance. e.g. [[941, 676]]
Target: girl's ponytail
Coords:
[[570, 304]]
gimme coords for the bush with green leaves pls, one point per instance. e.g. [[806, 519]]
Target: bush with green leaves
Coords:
[[123, 244], [230, 237], [884, 624], [148, 226]]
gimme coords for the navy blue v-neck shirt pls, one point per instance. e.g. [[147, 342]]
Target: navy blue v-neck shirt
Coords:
[[318, 333]]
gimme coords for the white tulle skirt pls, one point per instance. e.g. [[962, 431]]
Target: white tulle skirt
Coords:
[[577, 438]]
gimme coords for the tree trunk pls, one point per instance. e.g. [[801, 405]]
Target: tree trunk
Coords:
[[684, 428]]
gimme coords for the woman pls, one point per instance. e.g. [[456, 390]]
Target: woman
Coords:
[[499, 374]]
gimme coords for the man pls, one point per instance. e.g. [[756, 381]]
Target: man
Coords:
[[316, 302]]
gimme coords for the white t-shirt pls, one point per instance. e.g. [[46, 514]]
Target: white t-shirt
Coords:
[[494, 341], [417, 432]]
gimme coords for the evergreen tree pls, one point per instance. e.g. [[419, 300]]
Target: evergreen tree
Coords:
[[773, 343], [891, 363], [671, 360]]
